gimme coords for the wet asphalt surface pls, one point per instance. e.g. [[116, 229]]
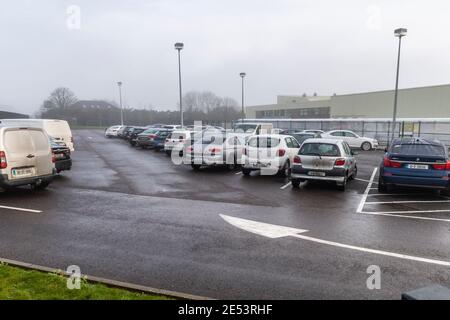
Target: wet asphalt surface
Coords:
[[132, 215]]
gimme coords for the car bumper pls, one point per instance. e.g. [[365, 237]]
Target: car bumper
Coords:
[[6, 183], [205, 160], [336, 174], [421, 182]]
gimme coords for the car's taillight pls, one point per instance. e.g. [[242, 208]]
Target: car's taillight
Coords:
[[391, 164], [339, 162], [3, 163], [281, 152], [297, 160], [189, 149], [53, 157], [442, 166], [215, 150]]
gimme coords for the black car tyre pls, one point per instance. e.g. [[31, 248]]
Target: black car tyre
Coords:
[[41, 186], [295, 183], [381, 185], [342, 186], [285, 171], [246, 172]]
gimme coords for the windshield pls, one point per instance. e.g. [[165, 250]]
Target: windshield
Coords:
[[320, 149], [418, 149], [247, 128]]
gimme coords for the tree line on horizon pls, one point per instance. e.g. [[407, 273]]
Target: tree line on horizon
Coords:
[[197, 106]]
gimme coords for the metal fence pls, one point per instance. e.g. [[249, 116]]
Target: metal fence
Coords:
[[380, 129]]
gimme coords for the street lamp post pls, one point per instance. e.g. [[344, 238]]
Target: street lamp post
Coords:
[[401, 32], [242, 75], [179, 46], [119, 84]]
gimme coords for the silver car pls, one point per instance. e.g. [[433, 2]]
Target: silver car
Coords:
[[324, 160]]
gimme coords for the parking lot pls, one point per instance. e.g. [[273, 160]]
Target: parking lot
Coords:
[[132, 215]]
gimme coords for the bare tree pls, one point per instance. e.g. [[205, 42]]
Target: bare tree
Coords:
[[60, 98]]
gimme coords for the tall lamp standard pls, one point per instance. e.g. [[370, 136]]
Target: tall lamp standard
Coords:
[[401, 32], [242, 75], [179, 46], [119, 84]]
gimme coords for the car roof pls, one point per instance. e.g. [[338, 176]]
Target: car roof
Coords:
[[322, 140]]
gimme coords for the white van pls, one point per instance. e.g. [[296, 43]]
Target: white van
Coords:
[[25, 158], [57, 129]]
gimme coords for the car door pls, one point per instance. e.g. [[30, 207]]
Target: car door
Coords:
[[352, 139], [349, 156]]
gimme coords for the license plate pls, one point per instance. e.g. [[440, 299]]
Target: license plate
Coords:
[[20, 173], [316, 173], [417, 166]]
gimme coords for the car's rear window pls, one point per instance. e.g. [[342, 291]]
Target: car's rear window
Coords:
[[264, 142], [178, 135], [320, 149], [418, 149]]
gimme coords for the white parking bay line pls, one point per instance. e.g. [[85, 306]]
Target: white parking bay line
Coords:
[[20, 209], [365, 180], [408, 201], [286, 185], [395, 214], [366, 193]]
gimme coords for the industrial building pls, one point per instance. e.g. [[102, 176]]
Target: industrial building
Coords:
[[421, 102], [12, 115]]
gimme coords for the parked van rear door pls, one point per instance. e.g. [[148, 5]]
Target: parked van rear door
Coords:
[[42, 151], [19, 151]]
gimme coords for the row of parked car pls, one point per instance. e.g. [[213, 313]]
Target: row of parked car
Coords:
[[299, 155], [253, 146], [33, 151]]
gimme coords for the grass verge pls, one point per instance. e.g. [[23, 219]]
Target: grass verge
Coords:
[[21, 284]]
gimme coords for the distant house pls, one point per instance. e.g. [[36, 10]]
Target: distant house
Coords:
[[92, 104], [12, 115]]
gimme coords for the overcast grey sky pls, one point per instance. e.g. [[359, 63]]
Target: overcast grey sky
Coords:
[[284, 46]]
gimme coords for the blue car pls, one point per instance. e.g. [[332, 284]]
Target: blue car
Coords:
[[415, 162]]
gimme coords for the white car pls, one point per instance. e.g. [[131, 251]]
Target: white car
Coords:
[[177, 141], [353, 139], [112, 131], [313, 131], [215, 150], [26, 158], [269, 153]]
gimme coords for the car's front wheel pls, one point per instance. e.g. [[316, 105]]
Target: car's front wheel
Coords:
[[366, 146]]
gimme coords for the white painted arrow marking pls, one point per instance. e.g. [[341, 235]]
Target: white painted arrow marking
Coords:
[[20, 209], [274, 231], [261, 228]]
